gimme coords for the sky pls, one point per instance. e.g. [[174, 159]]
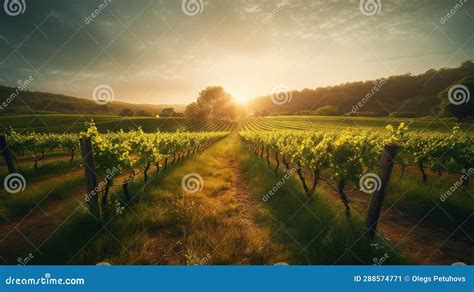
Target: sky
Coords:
[[165, 52]]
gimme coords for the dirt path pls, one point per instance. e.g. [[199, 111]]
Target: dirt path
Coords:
[[240, 190], [228, 224], [24, 236], [217, 224]]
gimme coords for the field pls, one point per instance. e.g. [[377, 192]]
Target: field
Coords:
[[76, 123], [240, 205]]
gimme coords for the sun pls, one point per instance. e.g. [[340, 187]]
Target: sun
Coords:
[[241, 99]]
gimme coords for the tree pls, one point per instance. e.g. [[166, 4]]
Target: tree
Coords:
[[328, 110], [168, 112], [194, 112], [144, 113], [212, 104], [456, 101]]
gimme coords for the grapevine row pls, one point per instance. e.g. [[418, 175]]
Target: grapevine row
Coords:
[[345, 156], [38, 145], [109, 156], [129, 151]]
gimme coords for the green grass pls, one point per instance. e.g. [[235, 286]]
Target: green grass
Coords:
[[418, 200], [42, 192], [161, 224], [64, 244], [317, 232], [45, 169], [52, 180]]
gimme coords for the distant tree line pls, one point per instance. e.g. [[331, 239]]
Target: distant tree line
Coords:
[[170, 112], [166, 112], [127, 112], [397, 96], [401, 96]]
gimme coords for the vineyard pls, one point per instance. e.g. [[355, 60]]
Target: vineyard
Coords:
[[280, 145], [112, 155], [352, 159], [346, 155], [320, 180], [73, 123]]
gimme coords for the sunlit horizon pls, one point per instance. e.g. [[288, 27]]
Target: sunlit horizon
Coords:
[[240, 99]]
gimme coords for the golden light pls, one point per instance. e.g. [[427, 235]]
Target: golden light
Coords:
[[241, 99]]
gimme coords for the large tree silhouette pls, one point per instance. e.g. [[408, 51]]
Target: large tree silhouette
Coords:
[[212, 104]]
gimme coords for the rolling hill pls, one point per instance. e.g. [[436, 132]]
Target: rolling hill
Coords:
[[29, 102]]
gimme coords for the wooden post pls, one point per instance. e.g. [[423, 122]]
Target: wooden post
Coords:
[[386, 166], [7, 154], [91, 176]]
